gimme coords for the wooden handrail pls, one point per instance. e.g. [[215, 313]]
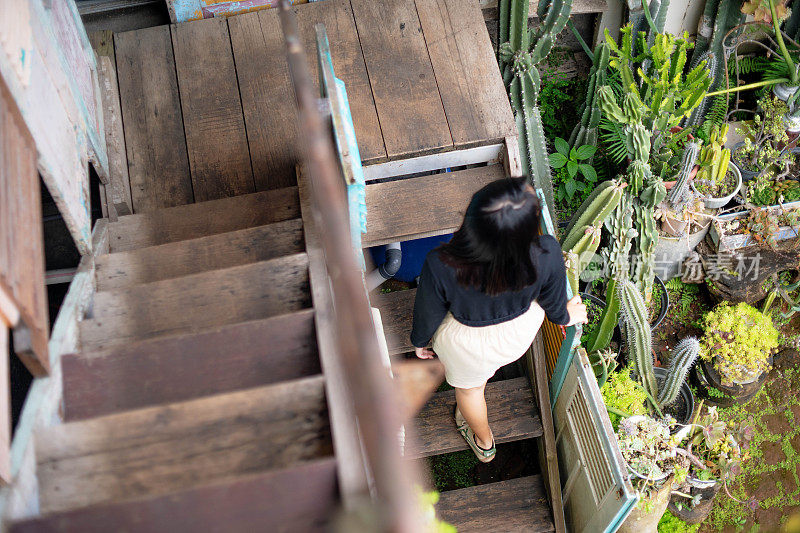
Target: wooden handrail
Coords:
[[373, 396]]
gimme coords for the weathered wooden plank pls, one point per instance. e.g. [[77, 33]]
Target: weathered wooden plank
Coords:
[[490, 153], [187, 10], [397, 310], [21, 240], [212, 111], [348, 64], [183, 367], [440, 201], [189, 303], [162, 449], [118, 190], [158, 163], [579, 7], [407, 98], [350, 459], [474, 97], [202, 254], [268, 102], [5, 403], [515, 505], [207, 218], [299, 498], [512, 414]]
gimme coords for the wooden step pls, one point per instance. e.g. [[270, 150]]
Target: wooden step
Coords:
[[301, 498], [579, 7], [202, 254], [397, 311], [513, 415], [182, 445], [199, 301], [184, 367], [206, 218], [422, 207], [515, 505]]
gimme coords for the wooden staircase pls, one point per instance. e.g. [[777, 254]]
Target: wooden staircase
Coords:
[[198, 401]]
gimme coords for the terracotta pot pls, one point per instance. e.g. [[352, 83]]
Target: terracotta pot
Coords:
[[640, 521], [674, 227]]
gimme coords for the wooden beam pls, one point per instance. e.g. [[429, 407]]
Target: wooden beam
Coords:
[[5, 406]]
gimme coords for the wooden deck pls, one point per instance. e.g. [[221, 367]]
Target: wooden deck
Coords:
[[208, 110]]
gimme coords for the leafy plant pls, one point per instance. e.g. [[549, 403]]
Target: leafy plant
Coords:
[[623, 397], [739, 340], [670, 523], [764, 150], [713, 450], [775, 191], [574, 160]]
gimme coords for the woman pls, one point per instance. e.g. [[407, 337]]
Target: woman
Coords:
[[482, 298]]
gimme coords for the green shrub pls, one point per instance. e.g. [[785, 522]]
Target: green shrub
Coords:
[[622, 393], [670, 523], [739, 339]]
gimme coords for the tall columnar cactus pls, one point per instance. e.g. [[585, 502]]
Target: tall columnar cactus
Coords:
[[683, 357], [646, 240], [578, 257], [637, 334], [678, 194], [593, 211], [714, 157], [696, 118], [519, 54], [585, 132]]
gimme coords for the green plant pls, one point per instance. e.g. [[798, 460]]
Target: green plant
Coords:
[[593, 212], [785, 289], [764, 150], [763, 225], [623, 396], [670, 523], [714, 161], [680, 191], [577, 258], [574, 160], [681, 360], [585, 132], [714, 452], [637, 334], [739, 340], [775, 191]]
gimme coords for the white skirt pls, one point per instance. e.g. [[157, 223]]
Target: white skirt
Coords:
[[471, 355]]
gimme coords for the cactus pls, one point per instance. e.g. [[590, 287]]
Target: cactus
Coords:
[[714, 157], [698, 115], [637, 334], [638, 174], [679, 192], [578, 257], [585, 132], [683, 357], [592, 212], [519, 54], [645, 241]]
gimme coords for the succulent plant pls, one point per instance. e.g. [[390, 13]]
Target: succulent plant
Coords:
[[637, 334], [681, 360], [593, 211], [680, 191]]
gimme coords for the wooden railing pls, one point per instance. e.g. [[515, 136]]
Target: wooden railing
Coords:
[[367, 384]]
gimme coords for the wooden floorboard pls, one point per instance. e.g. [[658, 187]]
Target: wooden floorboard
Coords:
[[206, 218], [407, 98], [183, 367], [474, 97], [219, 157], [270, 111], [301, 498], [417, 207], [191, 303], [348, 64], [512, 415], [202, 254], [158, 164], [397, 311], [516, 505], [163, 449]]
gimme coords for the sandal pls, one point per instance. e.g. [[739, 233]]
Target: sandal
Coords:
[[482, 454]]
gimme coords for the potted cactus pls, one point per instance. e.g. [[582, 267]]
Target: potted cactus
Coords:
[[717, 180], [737, 346], [654, 463]]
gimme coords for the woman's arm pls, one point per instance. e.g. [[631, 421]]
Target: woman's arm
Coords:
[[430, 308]]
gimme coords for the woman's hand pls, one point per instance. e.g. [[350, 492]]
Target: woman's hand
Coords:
[[577, 311], [424, 353]]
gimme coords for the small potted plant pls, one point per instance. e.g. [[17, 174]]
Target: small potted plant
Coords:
[[736, 348], [718, 180], [763, 153], [715, 458], [651, 454]]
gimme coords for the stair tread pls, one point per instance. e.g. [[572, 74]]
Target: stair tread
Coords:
[[183, 367], [513, 415], [514, 505], [198, 301], [397, 311], [299, 498], [191, 256], [162, 449], [419, 207], [205, 218]]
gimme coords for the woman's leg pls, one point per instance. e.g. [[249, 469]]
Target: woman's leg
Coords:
[[472, 405]]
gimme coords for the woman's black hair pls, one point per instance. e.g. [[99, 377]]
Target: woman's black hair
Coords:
[[494, 250]]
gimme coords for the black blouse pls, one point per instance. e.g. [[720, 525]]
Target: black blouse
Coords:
[[439, 293]]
